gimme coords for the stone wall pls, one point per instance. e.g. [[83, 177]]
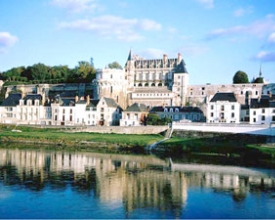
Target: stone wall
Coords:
[[125, 129]]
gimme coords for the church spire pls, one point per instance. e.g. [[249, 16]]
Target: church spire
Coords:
[[130, 55], [260, 73]]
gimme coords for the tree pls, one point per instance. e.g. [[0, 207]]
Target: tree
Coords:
[[154, 119], [259, 80], [240, 77], [84, 72], [114, 65]]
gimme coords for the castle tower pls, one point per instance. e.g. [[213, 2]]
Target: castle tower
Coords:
[[180, 83]]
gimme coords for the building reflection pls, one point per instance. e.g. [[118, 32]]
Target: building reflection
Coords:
[[137, 182]]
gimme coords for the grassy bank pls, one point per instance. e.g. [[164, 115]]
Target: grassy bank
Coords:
[[62, 137], [225, 149]]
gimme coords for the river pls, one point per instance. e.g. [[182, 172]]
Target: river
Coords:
[[43, 183]]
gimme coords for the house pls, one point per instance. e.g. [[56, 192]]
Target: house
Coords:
[[262, 110], [59, 110], [179, 113], [134, 115], [223, 108], [8, 109]]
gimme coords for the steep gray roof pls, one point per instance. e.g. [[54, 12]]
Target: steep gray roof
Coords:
[[181, 68], [32, 97], [110, 102], [264, 102], [137, 108], [224, 96], [12, 100]]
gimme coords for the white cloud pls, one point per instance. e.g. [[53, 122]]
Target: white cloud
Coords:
[[265, 56], [207, 3], [243, 11], [113, 26], [75, 5], [259, 28], [271, 38], [6, 40]]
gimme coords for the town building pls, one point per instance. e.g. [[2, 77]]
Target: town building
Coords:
[[134, 115], [223, 108], [179, 113], [262, 110]]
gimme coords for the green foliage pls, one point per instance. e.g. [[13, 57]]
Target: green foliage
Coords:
[[259, 80], [40, 73], [240, 77], [114, 65], [154, 119]]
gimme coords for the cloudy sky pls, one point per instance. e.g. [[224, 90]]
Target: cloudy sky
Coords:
[[215, 37]]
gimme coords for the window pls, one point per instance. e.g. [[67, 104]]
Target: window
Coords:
[[222, 108], [254, 112], [232, 115], [63, 111], [273, 111], [263, 110], [263, 117], [222, 115], [254, 119], [212, 114], [256, 93], [232, 107], [71, 111], [273, 118], [212, 107]]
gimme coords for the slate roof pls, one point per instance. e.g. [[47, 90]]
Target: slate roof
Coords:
[[12, 99], [224, 96], [32, 97], [181, 68], [265, 102], [110, 102], [93, 102], [137, 108], [180, 108]]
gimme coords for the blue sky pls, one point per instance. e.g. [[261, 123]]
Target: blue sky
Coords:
[[215, 37]]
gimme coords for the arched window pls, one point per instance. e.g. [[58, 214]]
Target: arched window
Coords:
[[140, 85], [171, 110], [146, 84], [165, 110], [153, 84], [160, 84]]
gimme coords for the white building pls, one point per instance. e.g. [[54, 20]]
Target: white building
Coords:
[[134, 115], [223, 108], [59, 111], [262, 110]]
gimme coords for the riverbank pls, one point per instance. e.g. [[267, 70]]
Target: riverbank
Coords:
[[183, 144]]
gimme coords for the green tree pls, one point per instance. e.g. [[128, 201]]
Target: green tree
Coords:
[[240, 77], [84, 72], [114, 65], [259, 80], [154, 119], [40, 72]]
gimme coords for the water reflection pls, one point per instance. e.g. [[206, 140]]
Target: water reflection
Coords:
[[134, 182]]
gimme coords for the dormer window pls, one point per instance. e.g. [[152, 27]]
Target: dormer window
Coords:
[[171, 110], [165, 110], [176, 110]]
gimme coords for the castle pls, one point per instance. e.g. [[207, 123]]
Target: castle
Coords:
[[151, 82]]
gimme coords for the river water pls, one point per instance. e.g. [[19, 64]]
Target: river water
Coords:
[[42, 183]]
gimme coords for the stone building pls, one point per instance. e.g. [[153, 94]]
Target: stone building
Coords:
[[149, 82]]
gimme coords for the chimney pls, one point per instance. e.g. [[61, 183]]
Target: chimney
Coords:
[[88, 100], [165, 58], [76, 98], [179, 57]]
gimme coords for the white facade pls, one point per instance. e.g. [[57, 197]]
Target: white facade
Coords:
[[223, 108], [264, 115]]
